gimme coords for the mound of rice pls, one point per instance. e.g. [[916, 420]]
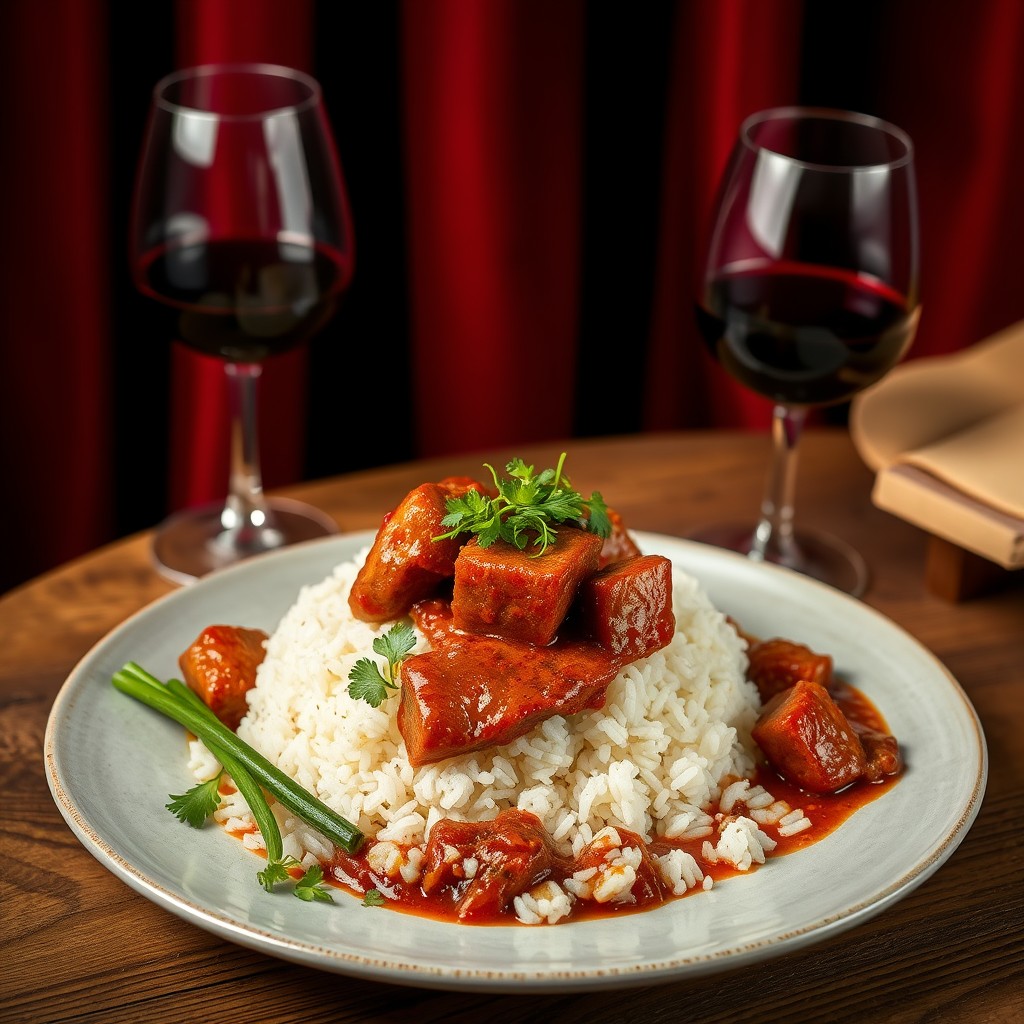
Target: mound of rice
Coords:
[[673, 734]]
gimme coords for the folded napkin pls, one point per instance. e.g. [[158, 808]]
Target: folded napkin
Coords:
[[945, 435], [985, 461]]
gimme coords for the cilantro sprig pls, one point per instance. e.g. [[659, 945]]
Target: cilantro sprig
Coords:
[[366, 680], [310, 886], [197, 804], [527, 508]]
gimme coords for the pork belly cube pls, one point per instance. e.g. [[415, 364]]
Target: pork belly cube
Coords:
[[776, 664], [475, 692], [405, 563], [220, 666], [502, 591], [806, 738], [627, 606]]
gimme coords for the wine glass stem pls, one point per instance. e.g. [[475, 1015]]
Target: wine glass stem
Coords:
[[773, 539], [246, 513]]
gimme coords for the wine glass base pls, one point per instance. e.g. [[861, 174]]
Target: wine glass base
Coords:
[[194, 542], [818, 555]]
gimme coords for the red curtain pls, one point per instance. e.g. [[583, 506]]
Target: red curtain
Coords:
[[493, 104], [494, 118], [729, 59], [55, 369], [960, 94]]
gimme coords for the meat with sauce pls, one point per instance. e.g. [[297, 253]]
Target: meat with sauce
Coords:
[[487, 863], [474, 692], [220, 666], [805, 736], [471, 692], [521, 595], [405, 563], [881, 753], [636, 886], [776, 664], [627, 606], [619, 544]]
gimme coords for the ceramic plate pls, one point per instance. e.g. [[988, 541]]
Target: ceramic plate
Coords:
[[111, 763]]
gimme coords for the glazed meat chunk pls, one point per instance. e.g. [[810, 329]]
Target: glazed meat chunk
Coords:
[[806, 737], [627, 606], [520, 595], [776, 664], [220, 665], [881, 753], [405, 563], [475, 692], [616, 882]]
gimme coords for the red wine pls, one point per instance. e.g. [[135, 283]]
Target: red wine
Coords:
[[245, 300], [804, 335]]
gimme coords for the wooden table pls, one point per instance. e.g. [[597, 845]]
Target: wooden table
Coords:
[[79, 945]]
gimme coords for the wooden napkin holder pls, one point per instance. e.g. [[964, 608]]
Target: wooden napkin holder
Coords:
[[972, 547]]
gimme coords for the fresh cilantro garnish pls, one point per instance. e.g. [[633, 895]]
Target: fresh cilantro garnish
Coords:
[[196, 805], [373, 898], [276, 871], [366, 680], [526, 509], [310, 886]]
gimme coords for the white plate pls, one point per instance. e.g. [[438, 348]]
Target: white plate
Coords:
[[111, 763]]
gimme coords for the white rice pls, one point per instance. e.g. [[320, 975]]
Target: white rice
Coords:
[[674, 732]]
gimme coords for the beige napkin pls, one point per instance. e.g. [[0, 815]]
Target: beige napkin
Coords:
[[946, 437], [985, 461]]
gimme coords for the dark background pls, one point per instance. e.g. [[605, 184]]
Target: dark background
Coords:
[[88, 441], [627, 69]]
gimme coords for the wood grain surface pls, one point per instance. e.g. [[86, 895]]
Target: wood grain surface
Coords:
[[79, 945]]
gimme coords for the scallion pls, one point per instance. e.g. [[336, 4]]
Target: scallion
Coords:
[[249, 765]]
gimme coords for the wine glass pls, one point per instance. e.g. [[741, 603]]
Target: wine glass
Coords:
[[809, 294], [241, 230]]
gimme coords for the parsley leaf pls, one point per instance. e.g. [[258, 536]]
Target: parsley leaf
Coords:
[[396, 644], [373, 898], [310, 886], [366, 680], [196, 805], [527, 510], [276, 871]]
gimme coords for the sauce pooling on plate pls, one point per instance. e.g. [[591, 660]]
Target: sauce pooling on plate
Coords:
[[521, 855]]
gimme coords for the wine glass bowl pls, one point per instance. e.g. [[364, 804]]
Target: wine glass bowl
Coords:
[[241, 233], [809, 294]]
